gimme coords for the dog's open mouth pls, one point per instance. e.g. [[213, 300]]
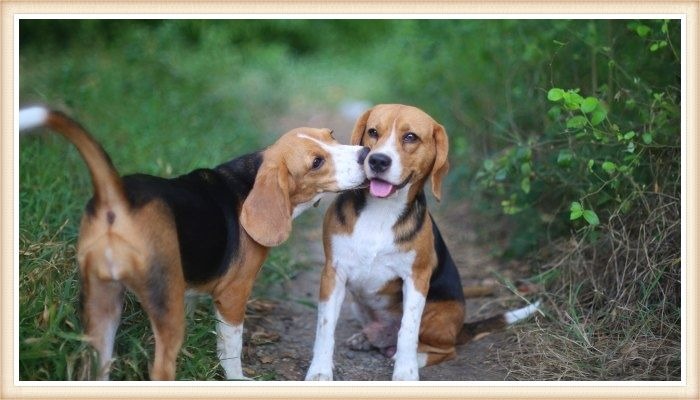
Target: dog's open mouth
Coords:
[[380, 188]]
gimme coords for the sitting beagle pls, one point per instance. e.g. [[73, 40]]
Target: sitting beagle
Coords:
[[208, 230], [382, 244]]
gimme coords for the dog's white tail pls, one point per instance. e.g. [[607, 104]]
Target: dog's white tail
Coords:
[[32, 117], [471, 329], [108, 187], [514, 316]]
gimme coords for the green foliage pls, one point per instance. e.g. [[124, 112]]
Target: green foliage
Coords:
[[557, 112]]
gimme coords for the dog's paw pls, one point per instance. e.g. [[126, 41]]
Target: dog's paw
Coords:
[[319, 376], [359, 342], [240, 378], [405, 371]]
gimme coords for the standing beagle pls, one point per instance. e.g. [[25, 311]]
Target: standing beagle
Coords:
[[383, 246], [208, 230]]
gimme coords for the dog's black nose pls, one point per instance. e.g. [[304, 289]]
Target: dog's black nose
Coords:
[[379, 162], [362, 155]]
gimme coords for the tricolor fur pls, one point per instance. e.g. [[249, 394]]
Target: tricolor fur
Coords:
[[383, 246], [207, 231]]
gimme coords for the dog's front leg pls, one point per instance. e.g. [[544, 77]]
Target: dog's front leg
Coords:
[[229, 345], [230, 310], [330, 301], [406, 358]]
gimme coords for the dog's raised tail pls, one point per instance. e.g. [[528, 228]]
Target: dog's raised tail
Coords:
[[472, 329], [107, 184]]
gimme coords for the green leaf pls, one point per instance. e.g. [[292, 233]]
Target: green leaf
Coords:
[[609, 167], [646, 137], [643, 30], [488, 164], [598, 116], [590, 165], [554, 112], [525, 185], [564, 157], [591, 217], [501, 175], [572, 100], [526, 168], [576, 210], [576, 122], [589, 104], [629, 135], [555, 94], [523, 153], [631, 147], [654, 47]]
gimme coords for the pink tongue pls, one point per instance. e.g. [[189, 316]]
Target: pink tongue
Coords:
[[380, 188]]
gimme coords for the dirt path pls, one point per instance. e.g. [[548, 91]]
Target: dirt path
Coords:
[[280, 334]]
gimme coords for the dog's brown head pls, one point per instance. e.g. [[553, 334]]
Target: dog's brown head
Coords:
[[407, 146], [296, 171]]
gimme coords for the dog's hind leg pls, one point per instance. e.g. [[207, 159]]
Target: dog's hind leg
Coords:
[[440, 326], [169, 330], [102, 303], [163, 298]]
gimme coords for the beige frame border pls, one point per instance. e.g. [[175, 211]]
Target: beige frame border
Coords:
[[8, 210]]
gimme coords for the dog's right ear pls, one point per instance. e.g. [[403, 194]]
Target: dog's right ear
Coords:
[[360, 126], [266, 214]]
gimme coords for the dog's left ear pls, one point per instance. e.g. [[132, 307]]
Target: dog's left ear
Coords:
[[441, 164], [266, 214], [359, 131]]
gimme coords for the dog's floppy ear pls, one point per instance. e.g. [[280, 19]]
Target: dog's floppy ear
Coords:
[[266, 214], [441, 164], [359, 131]]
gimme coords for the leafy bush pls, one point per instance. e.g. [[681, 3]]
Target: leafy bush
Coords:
[[551, 120]]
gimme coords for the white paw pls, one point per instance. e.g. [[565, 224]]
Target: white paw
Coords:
[[233, 371], [239, 378], [405, 372], [319, 376]]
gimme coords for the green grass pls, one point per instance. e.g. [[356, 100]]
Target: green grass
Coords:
[[161, 108]]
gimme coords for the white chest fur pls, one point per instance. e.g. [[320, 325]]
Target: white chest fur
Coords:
[[368, 258]]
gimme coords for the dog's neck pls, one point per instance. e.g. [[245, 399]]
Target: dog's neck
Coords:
[[242, 171], [407, 207]]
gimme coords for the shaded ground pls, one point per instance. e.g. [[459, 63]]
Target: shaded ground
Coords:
[[280, 333]]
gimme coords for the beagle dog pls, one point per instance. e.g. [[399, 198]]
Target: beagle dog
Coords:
[[382, 244], [208, 230]]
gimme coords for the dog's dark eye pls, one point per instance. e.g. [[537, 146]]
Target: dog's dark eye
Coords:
[[410, 137], [371, 132], [317, 163]]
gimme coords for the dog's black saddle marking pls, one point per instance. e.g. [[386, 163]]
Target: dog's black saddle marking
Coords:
[[204, 204], [445, 283]]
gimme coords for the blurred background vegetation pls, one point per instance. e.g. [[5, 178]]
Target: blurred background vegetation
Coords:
[[565, 139]]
